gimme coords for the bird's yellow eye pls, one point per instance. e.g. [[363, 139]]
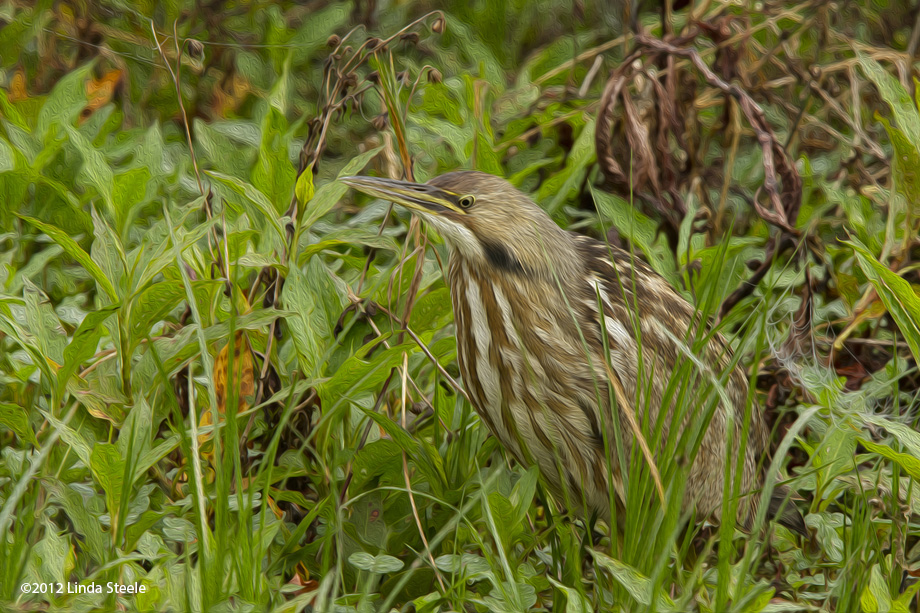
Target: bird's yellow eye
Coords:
[[466, 202]]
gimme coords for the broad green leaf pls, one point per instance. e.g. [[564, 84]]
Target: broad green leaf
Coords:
[[431, 311], [635, 583], [330, 193], [575, 602], [274, 174], [129, 189], [67, 99], [376, 459], [908, 463], [85, 523], [304, 189], [905, 166], [96, 169], [144, 523], [637, 228], [314, 304], [369, 521], [875, 597], [16, 419], [7, 158], [264, 209], [903, 108], [48, 559], [896, 293], [74, 250], [108, 251], [375, 564], [108, 468], [472, 566], [355, 375], [428, 463], [83, 344], [151, 306], [906, 435], [834, 454], [558, 188], [134, 437], [44, 324], [826, 527], [760, 602]]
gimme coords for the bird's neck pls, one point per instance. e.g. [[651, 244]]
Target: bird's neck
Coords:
[[543, 261]]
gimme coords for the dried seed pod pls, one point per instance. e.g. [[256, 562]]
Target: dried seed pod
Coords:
[[434, 76], [438, 26], [333, 41], [373, 43], [380, 122], [410, 37], [195, 49], [373, 77]]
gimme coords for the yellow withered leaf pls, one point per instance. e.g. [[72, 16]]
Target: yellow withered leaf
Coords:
[[244, 380]]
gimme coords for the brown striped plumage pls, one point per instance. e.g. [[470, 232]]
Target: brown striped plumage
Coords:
[[537, 354]]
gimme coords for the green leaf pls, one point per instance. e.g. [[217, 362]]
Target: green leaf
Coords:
[[638, 585], [84, 522], [129, 189], [908, 463], [425, 457], [96, 170], [905, 167], [135, 531], [274, 174], [16, 419], [369, 520], [375, 564], [903, 108], [875, 597], [108, 469], [575, 602], [834, 454], [376, 459], [315, 305], [896, 293], [7, 158], [74, 250], [67, 99], [561, 186], [151, 306], [48, 559], [431, 311], [640, 229], [83, 344], [263, 205], [330, 193], [304, 189], [356, 375], [902, 603]]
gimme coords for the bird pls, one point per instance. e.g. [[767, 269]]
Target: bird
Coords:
[[548, 321]]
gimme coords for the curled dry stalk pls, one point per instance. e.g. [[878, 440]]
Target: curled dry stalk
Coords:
[[657, 176]]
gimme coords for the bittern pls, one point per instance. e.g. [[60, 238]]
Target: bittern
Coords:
[[547, 319]]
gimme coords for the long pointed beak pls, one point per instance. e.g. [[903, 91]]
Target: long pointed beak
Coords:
[[417, 196]]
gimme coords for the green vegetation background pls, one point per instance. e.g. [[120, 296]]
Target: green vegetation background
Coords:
[[163, 199]]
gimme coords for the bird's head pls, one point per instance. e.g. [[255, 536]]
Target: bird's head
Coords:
[[482, 218]]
